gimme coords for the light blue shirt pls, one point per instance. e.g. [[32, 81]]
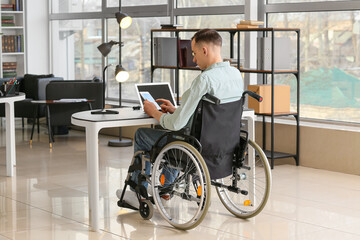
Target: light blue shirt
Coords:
[[220, 80]]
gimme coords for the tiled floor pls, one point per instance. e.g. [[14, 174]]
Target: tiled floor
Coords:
[[47, 199]]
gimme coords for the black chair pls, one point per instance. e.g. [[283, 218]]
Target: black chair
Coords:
[[59, 113], [34, 88]]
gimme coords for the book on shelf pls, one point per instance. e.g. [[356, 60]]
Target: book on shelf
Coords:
[[9, 69], [7, 21], [7, 7], [12, 43], [251, 22], [243, 26], [185, 54], [171, 26]]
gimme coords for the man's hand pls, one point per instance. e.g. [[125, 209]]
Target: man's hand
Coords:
[[151, 110], [166, 107]]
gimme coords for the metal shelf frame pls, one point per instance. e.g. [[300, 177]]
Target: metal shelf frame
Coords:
[[271, 154]]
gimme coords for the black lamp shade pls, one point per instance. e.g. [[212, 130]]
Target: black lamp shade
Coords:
[[123, 19], [105, 48], [121, 75]]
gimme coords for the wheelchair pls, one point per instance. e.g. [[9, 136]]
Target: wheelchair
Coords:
[[184, 169]]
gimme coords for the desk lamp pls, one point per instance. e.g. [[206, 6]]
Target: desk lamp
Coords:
[[105, 49]]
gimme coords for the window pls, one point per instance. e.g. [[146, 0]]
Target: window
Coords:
[[207, 3], [69, 6], [298, 1], [206, 21], [115, 3], [74, 48], [330, 60], [135, 54]]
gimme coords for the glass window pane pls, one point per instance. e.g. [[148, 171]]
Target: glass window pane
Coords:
[[75, 53], [115, 3], [207, 21], [135, 54], [69, 6], [297, 1], [330, 60], [207, 3]]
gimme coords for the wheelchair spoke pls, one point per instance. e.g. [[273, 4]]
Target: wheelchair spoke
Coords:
[[255, 180], [181, 202]]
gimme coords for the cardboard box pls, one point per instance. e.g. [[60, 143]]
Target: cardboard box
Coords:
[[281, 98]]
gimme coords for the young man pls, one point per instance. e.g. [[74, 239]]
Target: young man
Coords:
[[218, 78]]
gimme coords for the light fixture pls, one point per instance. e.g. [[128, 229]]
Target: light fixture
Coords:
[[105, 48], [121, 75], [103, 110], [123, 20]]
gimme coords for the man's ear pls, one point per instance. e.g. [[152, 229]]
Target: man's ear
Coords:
[[205, 50]]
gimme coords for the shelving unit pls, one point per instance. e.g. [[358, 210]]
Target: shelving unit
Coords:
[[271, 154], [13, 42]]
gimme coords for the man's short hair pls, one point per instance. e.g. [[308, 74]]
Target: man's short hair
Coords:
[[208, 36]]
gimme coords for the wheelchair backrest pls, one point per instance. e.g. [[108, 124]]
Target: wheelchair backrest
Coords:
[[217, 127]]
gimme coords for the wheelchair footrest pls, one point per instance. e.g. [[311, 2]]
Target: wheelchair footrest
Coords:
[[124, 204], [230, 188]]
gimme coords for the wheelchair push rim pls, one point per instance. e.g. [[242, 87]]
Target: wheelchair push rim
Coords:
[[188, 190]]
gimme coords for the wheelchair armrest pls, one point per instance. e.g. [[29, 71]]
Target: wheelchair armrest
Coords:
[[212, 98]]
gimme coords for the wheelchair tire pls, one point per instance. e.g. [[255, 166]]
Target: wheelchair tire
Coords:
[[184, 199], [256, 181], [146, 209]]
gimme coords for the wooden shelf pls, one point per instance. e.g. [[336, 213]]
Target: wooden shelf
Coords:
[[12, 27], [228, 29], [268, 71], [241, 69], [11, 12], [12, 53], [174, 67], [277, 155], [278, 114]]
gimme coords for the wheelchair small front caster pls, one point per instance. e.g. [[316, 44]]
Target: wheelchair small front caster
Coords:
[[146, 209]]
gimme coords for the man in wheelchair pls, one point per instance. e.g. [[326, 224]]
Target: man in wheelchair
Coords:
[[218, 79], [180, 177]]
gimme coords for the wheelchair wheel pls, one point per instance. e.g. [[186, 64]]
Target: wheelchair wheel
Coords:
[[254, 181], [146, 209], [181, 185]]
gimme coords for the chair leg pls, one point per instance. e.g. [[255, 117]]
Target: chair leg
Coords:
[[22, 122], [33, 124], [51, 139], [38, 125]]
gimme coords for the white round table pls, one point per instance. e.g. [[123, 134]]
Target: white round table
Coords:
[[10, 131]]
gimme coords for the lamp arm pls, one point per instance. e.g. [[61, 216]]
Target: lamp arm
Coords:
[[103, 80], [121, 44]]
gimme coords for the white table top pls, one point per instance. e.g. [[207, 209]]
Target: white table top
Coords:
[[13, 98], [126, 117]]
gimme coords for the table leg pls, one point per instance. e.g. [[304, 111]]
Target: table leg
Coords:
[[92, 156], [10, 138]]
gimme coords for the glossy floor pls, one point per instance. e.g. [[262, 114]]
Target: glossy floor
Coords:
[[47, 199]]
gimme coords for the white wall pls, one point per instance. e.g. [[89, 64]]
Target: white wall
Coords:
[[37, 33]]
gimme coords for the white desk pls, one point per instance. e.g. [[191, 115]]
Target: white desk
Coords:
[[93, 124], [10, 131]]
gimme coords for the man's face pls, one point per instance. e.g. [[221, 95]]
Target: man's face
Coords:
[[198, 54]]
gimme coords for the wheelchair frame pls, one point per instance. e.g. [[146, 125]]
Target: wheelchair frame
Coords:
[[189, 192]]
